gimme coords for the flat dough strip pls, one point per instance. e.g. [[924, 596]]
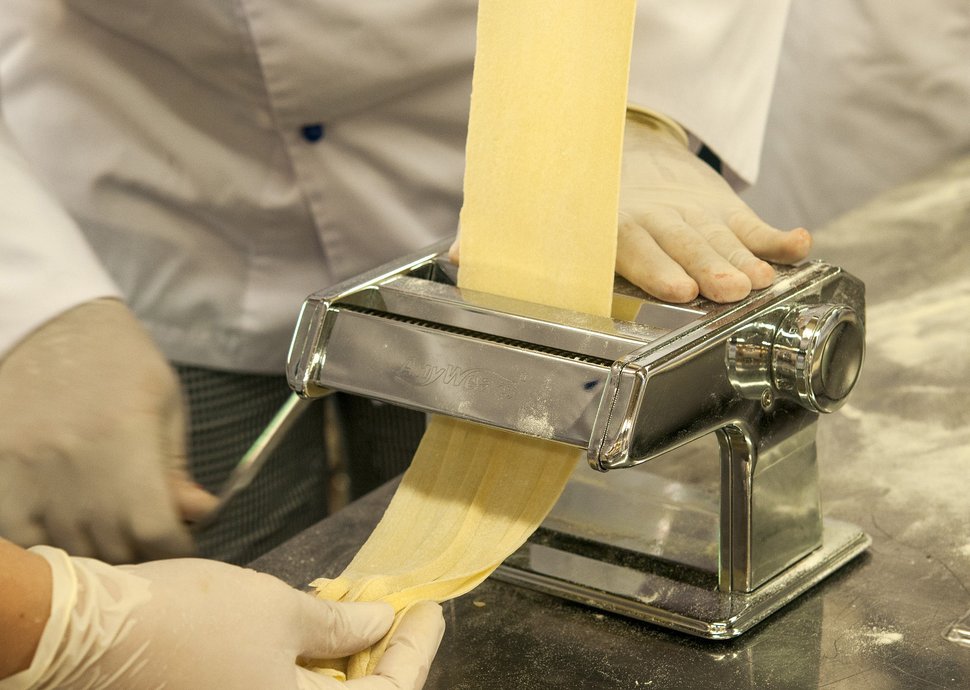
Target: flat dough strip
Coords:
[[538, 223]]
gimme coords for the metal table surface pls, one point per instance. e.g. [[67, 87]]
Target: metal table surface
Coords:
[[894, 461]]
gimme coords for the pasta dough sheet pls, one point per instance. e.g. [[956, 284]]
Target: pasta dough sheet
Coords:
[[542, 167], [463, 506], [538, 223]]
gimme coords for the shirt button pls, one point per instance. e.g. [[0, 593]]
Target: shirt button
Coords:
[[313, 133]]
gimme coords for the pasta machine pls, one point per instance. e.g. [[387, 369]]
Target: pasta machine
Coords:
[[710, 409]]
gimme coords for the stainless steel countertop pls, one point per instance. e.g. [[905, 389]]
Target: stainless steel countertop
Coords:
[[895, 461]]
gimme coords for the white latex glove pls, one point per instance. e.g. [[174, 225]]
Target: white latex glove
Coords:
[[683, 230], [92, 444], [193, 623]]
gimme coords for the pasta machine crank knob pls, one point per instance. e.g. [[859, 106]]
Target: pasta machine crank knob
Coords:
[[817, 354]]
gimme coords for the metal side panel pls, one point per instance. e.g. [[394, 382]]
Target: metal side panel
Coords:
[[533, 392]]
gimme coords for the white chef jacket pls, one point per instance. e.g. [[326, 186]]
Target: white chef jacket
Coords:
[[217, 161], [870, 95]]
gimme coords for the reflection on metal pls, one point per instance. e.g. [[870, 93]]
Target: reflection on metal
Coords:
[[628, 390], [811, 355], [644, 544], [959, 632]]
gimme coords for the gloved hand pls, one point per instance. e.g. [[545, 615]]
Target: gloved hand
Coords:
[[682, 229], [92, 444], [192, 623]]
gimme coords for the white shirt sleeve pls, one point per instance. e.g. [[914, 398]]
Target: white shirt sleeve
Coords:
[[710, 65], [46, 266]]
